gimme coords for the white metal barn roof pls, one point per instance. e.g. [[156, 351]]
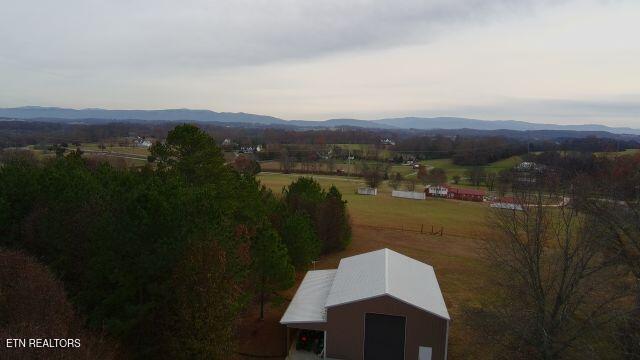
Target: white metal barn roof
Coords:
[[386, 272], [308, 304], [365, 276]]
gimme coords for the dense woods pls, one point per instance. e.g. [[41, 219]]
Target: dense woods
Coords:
[[130, 246]]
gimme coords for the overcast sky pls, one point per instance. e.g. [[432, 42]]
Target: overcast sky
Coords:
[[559, 61]]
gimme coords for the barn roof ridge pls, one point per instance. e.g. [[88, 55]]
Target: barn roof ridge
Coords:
[[360, 277], [366, 276]]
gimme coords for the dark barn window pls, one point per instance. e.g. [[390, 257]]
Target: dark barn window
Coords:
[[384, 337]]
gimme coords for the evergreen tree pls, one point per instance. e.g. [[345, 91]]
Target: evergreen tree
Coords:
[[300, 238], [271, 265]]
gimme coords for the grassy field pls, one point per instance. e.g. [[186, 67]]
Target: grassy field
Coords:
[[385, 210], [134, 150], [127, 156], [408, 171], [453, 169], [366, 148], [460, 270], [619, 153]]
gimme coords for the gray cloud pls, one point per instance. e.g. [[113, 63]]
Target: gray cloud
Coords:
[[81, 34], [314, 59]]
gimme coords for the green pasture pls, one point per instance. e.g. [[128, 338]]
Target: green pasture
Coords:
[[457, 217]]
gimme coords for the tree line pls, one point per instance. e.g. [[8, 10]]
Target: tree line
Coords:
[[161, 260]]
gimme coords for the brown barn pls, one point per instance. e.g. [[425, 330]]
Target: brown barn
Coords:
[[377, 305]]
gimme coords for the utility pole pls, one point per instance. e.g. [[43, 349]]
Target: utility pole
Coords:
[[349, 164]]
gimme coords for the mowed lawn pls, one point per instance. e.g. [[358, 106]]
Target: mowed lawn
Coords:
[[455, 256]]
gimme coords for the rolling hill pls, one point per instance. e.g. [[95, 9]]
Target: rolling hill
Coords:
[[420, 123]]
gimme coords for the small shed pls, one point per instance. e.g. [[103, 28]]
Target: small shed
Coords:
[[367, 191], [377, 305]]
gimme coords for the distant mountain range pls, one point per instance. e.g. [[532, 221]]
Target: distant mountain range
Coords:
[[101, 115]]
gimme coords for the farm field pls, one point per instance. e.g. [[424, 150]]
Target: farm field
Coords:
[[460, 270], [408, 171], [128, 156], [384, 210], [453, 169], [116, 149], [619, 153], [274, 165], [366, 148]]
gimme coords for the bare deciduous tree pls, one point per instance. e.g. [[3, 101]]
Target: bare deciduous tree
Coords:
[[410, 183], [615, 202], [555, 294], [374, 173], [490, 180], [396, 180], [286, 162]]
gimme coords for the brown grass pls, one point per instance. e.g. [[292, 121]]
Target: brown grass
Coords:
[[455, 256]]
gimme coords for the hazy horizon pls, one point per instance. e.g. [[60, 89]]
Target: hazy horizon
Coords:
[[325, 119], [562, 62]]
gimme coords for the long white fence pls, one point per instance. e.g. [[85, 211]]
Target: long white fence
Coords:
[[506, 206], [409, 194]]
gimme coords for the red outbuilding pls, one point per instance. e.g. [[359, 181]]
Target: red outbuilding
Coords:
[[466, 194]]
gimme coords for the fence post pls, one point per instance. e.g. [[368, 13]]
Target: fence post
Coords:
[[421, 228]]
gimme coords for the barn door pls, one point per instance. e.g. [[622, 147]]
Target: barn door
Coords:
[[384, 337]]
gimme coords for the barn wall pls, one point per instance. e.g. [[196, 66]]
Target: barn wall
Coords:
[[345, 328]]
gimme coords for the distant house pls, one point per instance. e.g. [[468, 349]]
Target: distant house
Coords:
[[529, 166], [142, 142], [437, 190], [466, 194], [376, 305], [528, 173], [387, 142], [227, 142]]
